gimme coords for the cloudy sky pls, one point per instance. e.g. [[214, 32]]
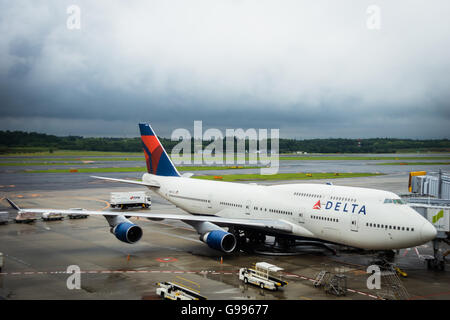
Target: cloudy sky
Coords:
[[309, 68]]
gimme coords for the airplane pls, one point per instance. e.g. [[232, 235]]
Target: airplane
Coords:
[[228, 215]]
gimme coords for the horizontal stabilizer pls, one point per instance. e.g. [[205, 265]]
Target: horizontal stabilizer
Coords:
[[153, 184]]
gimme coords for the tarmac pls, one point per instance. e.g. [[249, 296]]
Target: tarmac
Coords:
[[38, 255]]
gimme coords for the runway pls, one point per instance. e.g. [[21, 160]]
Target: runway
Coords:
[[16, 178]]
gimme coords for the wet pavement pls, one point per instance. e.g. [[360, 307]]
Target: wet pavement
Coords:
[[37, 255]]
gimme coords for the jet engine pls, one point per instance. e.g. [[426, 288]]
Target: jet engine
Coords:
[[127, 232], [219, 240], [124, 229]]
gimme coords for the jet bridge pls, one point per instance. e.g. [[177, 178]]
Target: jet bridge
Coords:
[[433, 184], [437, 211], [438, 215], [430, 197]]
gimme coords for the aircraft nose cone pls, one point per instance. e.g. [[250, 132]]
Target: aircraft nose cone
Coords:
[[428, 232]]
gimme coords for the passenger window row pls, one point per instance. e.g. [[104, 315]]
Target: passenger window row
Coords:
[[343, 199], [385, 226], [280, 211], [308, 195], [275, 211], [231, 204], [325, 218]]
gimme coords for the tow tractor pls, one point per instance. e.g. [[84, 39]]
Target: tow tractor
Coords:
[[175, 291], [78, 215], [52, 216], [25, 217], [264, 275]]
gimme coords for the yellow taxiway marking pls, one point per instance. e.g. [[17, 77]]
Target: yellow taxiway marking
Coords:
[[195, 283], [181, 285]]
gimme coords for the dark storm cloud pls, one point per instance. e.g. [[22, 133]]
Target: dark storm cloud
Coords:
[[312, 69], [22, 47]]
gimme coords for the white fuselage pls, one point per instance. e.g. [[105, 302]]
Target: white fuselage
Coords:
[[357, 217]]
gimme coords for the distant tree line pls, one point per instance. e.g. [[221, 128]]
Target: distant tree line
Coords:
[[13, 140]]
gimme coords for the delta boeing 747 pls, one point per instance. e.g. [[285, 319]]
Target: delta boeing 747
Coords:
[[227, 214]]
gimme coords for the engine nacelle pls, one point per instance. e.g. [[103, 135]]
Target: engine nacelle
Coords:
[[220, 240], [155, 219], [127, 232]]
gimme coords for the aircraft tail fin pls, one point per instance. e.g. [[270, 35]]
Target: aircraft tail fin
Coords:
[[13, 205], [158, 162]]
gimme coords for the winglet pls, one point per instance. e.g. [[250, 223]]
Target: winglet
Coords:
[[187, 174], [15, 206]]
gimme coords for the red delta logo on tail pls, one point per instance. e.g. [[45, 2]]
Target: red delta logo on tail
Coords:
[[317, 205], [152, 152], [156, 158]]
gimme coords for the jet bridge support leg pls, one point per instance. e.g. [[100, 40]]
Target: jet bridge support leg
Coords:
[[437, 262]]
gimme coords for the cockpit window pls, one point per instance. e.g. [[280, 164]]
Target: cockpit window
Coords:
[[394, 201]]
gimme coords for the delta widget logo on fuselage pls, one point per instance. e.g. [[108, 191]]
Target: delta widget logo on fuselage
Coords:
[[341, 207]]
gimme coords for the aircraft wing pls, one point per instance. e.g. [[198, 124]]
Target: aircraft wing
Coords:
[[265, 224], [153, 184]]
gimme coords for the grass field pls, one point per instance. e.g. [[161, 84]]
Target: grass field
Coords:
[[364, 158], [134, 169], [63, 161], [89, 170], [75, 153], [285, 176], [17, 164], [8, 161], [229, 177], [413, 163]]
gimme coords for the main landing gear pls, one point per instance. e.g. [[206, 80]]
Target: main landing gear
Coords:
[[253, 241]]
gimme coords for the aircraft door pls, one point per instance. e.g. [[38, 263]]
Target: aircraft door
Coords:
[[210, 200], [301, 217], [248, 205], [354, 222]]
